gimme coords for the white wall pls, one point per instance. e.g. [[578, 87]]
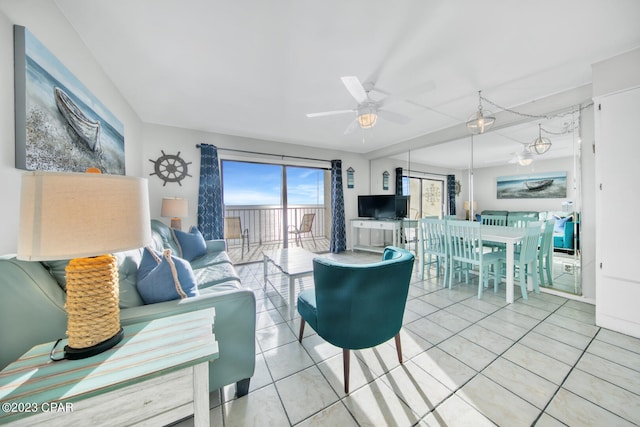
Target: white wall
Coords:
[[47, 24], [172, 140]]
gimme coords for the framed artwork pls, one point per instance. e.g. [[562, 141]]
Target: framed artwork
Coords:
[[350, 179], [385, 180], [60, 125], [548, 185]]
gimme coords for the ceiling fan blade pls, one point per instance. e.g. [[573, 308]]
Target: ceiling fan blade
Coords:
[[329, 113], [352, 127], [394, 117], [355, 88]]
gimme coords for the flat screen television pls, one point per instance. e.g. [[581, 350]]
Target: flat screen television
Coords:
[[384, 206]]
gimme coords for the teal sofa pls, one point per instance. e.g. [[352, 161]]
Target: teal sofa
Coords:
[[32, 306]]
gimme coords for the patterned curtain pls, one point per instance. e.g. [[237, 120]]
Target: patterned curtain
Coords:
[[451, 193], [398, 181], [338, 240], [210, 209]]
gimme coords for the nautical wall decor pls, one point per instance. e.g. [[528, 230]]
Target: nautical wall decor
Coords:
[[533, 186], [170, 168], [60, 125]]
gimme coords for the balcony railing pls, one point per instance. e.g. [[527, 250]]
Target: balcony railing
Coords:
[[264, 222]]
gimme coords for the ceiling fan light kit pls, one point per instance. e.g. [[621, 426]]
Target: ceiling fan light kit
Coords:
[[367, 118], [525, 158]]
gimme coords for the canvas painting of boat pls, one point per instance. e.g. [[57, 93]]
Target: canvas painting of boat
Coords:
[[535, 186], [60, 124]]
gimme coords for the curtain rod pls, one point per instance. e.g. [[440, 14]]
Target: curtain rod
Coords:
[[282, 156], [429, 173]]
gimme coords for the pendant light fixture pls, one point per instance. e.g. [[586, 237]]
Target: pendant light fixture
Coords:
[[481, 120], [525, 158], [540, 145]]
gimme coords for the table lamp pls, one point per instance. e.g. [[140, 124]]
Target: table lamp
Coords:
[[175, 208], [467, 206], [82, 217]]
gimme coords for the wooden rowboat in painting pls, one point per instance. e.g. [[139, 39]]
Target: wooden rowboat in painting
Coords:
[[88, 130], [538, 185]]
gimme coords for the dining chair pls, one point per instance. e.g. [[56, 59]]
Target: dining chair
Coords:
[[357, 306], [306, 226], [545, 253], [465, 243], [526, 259], [497, 220], [233, 230], [432, 246]]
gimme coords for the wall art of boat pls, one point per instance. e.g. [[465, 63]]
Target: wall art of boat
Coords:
[[88, 130], [538, 185]]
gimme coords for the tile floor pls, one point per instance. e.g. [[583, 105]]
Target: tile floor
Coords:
[[467, 362]]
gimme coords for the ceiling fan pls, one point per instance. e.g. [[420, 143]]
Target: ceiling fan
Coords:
[[368, 110], [524, 157]]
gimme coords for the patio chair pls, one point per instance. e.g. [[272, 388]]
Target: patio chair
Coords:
[[233, 230], [357, 306], [305, 227]]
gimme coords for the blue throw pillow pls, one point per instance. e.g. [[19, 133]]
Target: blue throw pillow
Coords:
[[190, 245], [558, 227], [163, 277]]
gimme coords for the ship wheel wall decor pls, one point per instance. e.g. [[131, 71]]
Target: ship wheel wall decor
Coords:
[[170, 168]]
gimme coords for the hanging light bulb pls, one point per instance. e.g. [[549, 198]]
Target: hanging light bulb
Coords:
[[540, 145], [481, 120]]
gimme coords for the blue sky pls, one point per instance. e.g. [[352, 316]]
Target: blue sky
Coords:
[[261, 184]]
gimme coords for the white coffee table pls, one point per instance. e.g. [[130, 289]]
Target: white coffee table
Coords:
[[294, 263]]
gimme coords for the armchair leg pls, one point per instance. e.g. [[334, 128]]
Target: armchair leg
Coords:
[[302, 322], [399, 347], [345, 362]]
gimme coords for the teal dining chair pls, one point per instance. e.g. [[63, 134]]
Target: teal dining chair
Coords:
[[526, 259], [465, 243], [545, 253], [432, 246], [497, 220], [356, 306]]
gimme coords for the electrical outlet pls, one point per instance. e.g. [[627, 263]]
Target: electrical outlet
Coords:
[[568, 268]]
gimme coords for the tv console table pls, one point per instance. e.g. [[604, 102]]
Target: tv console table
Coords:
[[393, 225]]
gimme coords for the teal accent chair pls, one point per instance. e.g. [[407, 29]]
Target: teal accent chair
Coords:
[[356, 306]]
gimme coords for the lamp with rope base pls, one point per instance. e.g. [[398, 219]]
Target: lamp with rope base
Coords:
[[83, 217]]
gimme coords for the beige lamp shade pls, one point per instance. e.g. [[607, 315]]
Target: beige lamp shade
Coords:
[[467, 205], [174, 207], [66, 215]]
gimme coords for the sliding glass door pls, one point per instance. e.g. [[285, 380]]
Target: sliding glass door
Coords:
[[279, 205], [427, 196]]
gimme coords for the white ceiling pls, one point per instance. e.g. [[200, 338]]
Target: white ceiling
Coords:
[[254, 68]]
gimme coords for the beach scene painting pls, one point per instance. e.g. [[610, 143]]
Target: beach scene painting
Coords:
[[60, 125], [548, 185]]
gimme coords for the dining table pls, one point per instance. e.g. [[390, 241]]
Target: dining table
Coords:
[[510, 236]]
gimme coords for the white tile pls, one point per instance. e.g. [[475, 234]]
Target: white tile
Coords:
[[379, 359], [445, 368], [268, 318], [305, 393], [429, 330], [419, 390], [529, 386], [490, 340], [573, 410], [625, 341], [418, 306], [467, 352], [538, 363], [449, 321], [261, 407], [497, 403], [411, 343], [274, 336], [359, 373], [604, 394], [560, 333], [547, 420], [465, 312], [287, 359], [334, 415], [581, 316], [615, 354], [610, 371], [551, 347], [376, 404], [318, 348], [572, 325], [515, 318], [502, 327], [455, 412]]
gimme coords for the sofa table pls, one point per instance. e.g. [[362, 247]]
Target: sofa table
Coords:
[[156, 375]]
